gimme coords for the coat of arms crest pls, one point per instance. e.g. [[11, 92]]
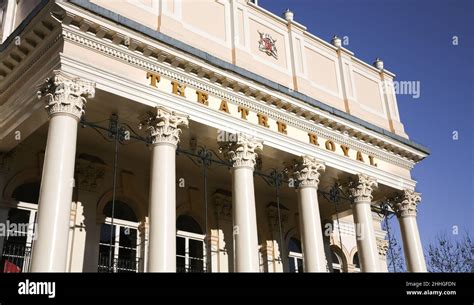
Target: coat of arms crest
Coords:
[[267, 45]]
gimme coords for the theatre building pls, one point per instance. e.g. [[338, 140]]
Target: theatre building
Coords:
[[195, 136]]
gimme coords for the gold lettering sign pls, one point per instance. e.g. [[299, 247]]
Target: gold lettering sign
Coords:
[[178, 88], [281, 127], [154, 78], [244, 112], [313, 139], [261, 119], [345, 150], [202, 98], [224, 107], [330, 145]]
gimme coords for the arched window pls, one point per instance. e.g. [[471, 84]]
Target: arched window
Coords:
[[190, 245], [336, 262], [121, 211], [355, 261], [119, 246], [188, 224], [16, 250], [295, 255]]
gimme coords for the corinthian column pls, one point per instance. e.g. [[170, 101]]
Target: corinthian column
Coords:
[[164, 129], [65, 99], [406, 213], [365, 233], [243, 157], [307, 174]]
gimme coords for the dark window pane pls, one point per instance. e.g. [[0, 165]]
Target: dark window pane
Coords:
[[292, 264], [121, 211], [294, 245], [18, 227], [180, 264], [128, 237], [300, 265], [188, 224], [180, 246], [126, 253], [195, 248], [335, 259], [197, 265], [18, 216], [28, 192], [104, 250], [355, 260], [106, 232], [17, 239]]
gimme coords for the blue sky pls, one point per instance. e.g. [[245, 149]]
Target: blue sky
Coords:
[[415, 40]]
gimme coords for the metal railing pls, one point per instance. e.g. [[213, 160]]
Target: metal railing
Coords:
[[119, 265], [15, 258], [195, 265]]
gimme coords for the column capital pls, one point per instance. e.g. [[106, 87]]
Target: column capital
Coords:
[[361, 189], [307, 171], [382, 246], [66, 94], [242, 152], [406, 203], [164, 126]]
